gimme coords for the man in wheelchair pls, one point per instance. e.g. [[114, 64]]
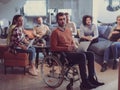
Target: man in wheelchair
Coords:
[[62, 41]]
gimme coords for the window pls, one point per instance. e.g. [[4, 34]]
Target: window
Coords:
[[35, 8]]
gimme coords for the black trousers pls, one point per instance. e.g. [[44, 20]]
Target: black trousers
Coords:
[[83, 59]]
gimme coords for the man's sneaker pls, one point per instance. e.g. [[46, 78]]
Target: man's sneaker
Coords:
[[104, 67], [114, 65], [33, 72], [87, 85], [95, 82]]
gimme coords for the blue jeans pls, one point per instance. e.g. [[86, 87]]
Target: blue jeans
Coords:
[[107, 54], [31, 51], [116, 50]]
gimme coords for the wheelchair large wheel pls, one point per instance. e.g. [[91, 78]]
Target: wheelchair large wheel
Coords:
[[52, 71], [72, 72]]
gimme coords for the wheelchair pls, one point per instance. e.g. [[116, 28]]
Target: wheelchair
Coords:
[[54, 72]]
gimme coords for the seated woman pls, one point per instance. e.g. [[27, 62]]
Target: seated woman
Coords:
[[18, 43], [115, 47]]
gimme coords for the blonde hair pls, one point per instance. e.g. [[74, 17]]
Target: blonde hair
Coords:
[[118, 16]]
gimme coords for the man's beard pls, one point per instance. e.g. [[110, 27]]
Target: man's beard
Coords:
[[62, 26]]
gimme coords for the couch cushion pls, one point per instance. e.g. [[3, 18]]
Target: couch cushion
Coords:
[[101, 30], [104, 31], [101, 39], [107, 32], [99, 47]]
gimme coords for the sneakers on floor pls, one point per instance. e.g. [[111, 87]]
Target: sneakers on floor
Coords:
[[104, 67], [37, 70], [114, 65], [95, 82], [87, 85], [33, 72]]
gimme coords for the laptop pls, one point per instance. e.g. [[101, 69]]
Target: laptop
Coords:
[[31, 43], [83, 46]]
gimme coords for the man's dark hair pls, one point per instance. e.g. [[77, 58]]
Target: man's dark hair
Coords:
[[59, 14], [66, 13], [85, 17]]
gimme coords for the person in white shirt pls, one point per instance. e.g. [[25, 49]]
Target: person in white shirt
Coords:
[[70, 24], [88, 30], [41, 31]]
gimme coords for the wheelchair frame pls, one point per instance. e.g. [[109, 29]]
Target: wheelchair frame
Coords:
[[54, 72]]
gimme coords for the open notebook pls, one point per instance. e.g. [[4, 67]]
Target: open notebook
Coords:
[[31, 43], [83, 46]]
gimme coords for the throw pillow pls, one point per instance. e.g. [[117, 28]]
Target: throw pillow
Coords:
[[101, 30], [107, 32]]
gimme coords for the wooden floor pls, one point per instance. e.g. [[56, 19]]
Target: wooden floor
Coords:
[[16, 80]]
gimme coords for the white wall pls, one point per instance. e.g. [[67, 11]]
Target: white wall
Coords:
[[85, 8], [95, 11], [104, 15]]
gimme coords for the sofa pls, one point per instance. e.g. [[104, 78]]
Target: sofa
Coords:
[[103, 42]]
